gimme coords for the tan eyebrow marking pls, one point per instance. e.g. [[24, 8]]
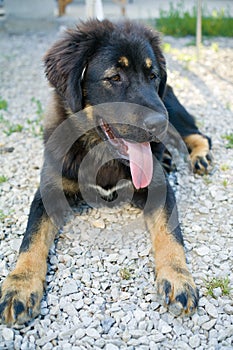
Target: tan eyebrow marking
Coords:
[[110, 71], [148, 62], [124, 61]]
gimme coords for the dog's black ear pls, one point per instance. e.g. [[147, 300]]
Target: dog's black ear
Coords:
[[66, 60], [162, 85], [154, 39], [64, 64], [162, 66]]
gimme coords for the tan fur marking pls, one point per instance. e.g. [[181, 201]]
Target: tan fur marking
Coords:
[[34, 259], [89, 112], [148, 62], [167, 250], [198, 144], [170, 259], [70, 186], [124, 61]]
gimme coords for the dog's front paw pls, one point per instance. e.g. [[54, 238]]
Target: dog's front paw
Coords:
[[177, 290], [20, 298], [201, 163], [199, 147]]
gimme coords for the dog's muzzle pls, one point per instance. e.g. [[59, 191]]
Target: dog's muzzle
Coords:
[[156, 125], [135, 149]]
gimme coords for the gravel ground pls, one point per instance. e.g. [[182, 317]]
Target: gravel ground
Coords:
[[101, 281]]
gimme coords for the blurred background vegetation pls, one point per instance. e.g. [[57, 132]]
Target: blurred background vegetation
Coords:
[[178, 22]]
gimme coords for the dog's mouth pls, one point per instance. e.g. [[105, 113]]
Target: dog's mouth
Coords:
[[139, 155]]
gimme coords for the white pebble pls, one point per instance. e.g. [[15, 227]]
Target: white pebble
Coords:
[[194, 341], [92, 332], [203, 250], [211, 310], [111, 347], [139, 315], [80, 333], [8, 334]]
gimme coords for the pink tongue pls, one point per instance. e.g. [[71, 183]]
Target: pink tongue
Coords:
[[141, 163]]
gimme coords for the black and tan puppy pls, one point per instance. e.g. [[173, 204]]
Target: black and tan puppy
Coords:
[[121, 68]]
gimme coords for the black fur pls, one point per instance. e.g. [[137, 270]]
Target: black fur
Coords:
[[102, 63]]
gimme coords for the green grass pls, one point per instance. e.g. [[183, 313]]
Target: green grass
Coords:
[[223, 283], [3, 104], [2, 215], [125, 274], [35, 125], [215, 47], [183, 57], [225, 183], [11, 128], [8, 127], [224, 167], [39, 110], [207, 179], [8, 216], [229, 138], [3, 178], [178, 22]]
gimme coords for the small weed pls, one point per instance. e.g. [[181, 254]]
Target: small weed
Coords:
[[215, 47], [185, 58], [228, 106], [225, 182], [36, 127], [3, 178], [200, 123], [207, 179], [11, 128], [39, 111], [223, 283], [125, 274], [3, 104], [7, 216], [229, 138], [224, 167], [191, 43], [2, 215], [166, 47]]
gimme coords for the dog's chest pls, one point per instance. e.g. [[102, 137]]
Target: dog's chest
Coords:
[[111, 179]]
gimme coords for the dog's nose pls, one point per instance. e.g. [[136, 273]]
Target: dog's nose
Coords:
[[156, 124]]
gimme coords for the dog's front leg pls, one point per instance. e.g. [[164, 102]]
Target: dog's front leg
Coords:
[[175, 284], [22, 290]]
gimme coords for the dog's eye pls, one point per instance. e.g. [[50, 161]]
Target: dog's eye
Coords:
[[115, 78]]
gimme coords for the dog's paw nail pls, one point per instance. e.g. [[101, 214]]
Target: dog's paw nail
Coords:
[[18, 307], [197, 166], [204, 163], [167, 291], [183, 299], [30, 312]]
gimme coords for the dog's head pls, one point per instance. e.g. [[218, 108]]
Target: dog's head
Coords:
[[102, 62]]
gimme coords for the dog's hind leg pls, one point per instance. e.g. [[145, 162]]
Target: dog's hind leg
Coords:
[[199, 145]]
